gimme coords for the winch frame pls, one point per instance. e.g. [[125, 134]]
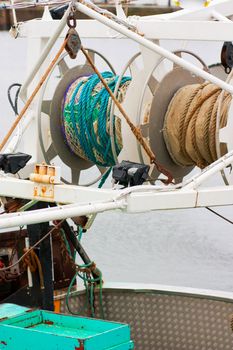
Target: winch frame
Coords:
[[146, 198]]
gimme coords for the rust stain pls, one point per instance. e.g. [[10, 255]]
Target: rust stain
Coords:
[[48, 322], [3, 342], [81, 347], [30, 310], [35, 192]]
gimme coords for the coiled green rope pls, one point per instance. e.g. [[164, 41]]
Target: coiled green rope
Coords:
[[86, 125], [85, 119], [90, 284]]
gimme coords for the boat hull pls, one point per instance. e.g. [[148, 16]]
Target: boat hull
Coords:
[[166, 318]]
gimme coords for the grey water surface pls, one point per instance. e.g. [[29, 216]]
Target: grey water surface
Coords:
[[181, 247]]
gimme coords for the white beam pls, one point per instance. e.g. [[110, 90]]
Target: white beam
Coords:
[[225, 7], [220, 17], [56, 213], [87, 28], [177, 30], [12, 187], [44, 54], [144, 202], [178, 199], [156, 29], [154, 47], [95, 29], [153, 198], [220, 196]]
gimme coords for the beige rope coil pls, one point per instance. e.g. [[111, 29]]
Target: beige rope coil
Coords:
[[190, 124]]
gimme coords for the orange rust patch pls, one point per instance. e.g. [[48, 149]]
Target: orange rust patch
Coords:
[[81, 347]]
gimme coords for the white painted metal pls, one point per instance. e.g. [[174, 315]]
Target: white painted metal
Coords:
[[44, 54], [156, 29], [214, 168], [57, 213], [225, 7], [11, 186], [188, 24], [21, 130], [139, 199], [135, 202], [154, 47], [177, 30], [162, 289], [87, 28], [191, 4], [134, 91], [220, 17], [29, 274]]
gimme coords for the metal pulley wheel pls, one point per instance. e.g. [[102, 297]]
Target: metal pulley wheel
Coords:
[[75, 170], [227, 56], [162, 83]]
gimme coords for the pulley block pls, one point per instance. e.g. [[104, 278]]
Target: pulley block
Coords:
[[227, 56]]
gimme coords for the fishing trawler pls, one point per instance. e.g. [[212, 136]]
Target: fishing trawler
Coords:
[[146, 128]]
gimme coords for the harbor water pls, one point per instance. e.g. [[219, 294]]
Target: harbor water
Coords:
[[189, 247]]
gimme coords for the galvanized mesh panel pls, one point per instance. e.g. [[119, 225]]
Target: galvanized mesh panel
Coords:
[[168, 322]]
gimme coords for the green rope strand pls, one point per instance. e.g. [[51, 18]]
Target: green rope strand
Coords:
[[86, 132], [62, 232], [101, 183], [86, 279], [86, 117], [89, 283]]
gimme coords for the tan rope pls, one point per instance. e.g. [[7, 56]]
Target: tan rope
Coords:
[[33, 262], [53, 229], [206, 132], [190, 124], [194, 91], [194, 151]]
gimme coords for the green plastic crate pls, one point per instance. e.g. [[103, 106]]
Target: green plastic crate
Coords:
[[42, 330]]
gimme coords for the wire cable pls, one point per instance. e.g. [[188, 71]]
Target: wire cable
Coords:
[[33, 247], [14, 105], [219, 215]]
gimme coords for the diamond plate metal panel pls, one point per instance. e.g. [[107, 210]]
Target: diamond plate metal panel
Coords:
[[168, 322]]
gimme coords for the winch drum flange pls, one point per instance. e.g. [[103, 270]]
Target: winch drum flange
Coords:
[[70, 159], [170, 84], [163, 93], [52, 108]]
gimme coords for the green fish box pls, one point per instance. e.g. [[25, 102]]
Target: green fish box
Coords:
[[42, 330]]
